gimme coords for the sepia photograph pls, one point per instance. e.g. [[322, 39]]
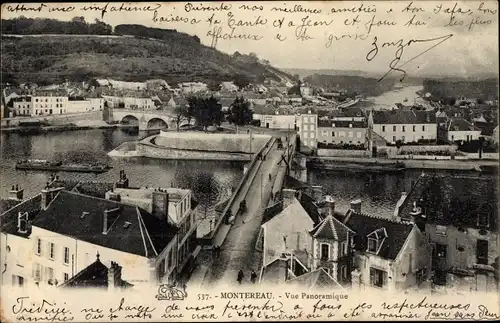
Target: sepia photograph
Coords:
[[249, 161]]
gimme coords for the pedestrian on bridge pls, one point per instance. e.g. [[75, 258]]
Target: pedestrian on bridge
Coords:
[[253, 277], [240, 276]]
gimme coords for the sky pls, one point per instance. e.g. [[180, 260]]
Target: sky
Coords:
[[465, 50]]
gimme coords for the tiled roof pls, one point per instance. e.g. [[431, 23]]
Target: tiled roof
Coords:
[[460, 124], [317, 279], [95, 189], [6, 204], [453, 200], [403, 117], [94, 275], [9, 218], [331, 228], [363, 225], [80, 216]]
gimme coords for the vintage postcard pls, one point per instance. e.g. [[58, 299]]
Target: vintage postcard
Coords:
[[249, 161]]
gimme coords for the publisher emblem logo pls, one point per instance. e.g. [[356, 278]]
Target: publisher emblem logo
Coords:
[[170, 293]]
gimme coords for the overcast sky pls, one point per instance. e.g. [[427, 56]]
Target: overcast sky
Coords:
[[466, 53]]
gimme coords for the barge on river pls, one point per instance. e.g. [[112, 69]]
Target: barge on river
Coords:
[[44, 165]]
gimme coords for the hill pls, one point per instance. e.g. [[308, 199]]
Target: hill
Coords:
[[358, 84], [49, 51], [472, 88]]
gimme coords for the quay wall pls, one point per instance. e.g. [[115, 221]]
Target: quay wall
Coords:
[[146, 148], [55, 120], [342, 153], [219, 142]]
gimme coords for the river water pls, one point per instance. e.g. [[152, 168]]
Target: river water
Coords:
[[209, 180]]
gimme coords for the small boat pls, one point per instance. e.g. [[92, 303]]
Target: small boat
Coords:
[[45, 165]]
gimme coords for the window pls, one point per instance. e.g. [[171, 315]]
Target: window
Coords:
[[51, 250], [421, 275], [423, 128], [358, 135], [393, 138], [483, 220], [404, 128], [38, 246], [50, 275], [343, 248], [325, 251], [372, 245], [378, 278], [333, 133], [312, 127], [305, 127], [350, 125], [17, 280], [66, 276], [37, 272], [312, 135], [403, 138], [66, 255], [351, 134], [452, 137], [306, 135], [440, 250], [394, 128], [343, 272], [482, 252]]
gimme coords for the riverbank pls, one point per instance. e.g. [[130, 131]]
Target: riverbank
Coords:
[[386, 165], [62, 128]]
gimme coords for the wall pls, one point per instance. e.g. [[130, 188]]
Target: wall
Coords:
[[55, 119], [463, 135], [153, 151], [78, 106], [215, 142], [454, 238], [344, 135], [409, 135], [418, 148], [295, 226], [364, 261], [308, 129], [329, 265], [278, 121], [20, 250], [342, 153], [415, 255], [135, 268]]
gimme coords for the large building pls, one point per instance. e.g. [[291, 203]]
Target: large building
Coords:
[[403, 125], [342, 132], [307, 128], [56, 234]]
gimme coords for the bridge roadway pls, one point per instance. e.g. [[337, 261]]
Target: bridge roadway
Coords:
[[238, 247]]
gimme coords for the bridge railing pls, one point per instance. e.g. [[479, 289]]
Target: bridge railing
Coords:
[[208, 239]]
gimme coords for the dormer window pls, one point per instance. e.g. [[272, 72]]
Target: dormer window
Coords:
[[375, 240], [22, 222]]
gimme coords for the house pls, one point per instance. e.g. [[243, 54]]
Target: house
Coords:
[[459, 129], [130, 101], [304, 238], [97, 275], [307, 128], [342, 132], [49, 103], [23, 106], [403, 125], [460, 223], [79, 105], [389, 254], [306, 91], [348, 114], [193, 87], [174, 205]]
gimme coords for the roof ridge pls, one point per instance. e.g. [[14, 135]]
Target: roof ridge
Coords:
[[21, 203], [96, 198], [146, 230], [380, 218]]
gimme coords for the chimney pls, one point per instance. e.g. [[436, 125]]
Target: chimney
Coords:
[[356, 206], [288, 196], [48, 194], [160, 204], [114, 275], [16, 194], [109, 217], [123, 181], [22, 222], [317, 193], [330, 205], [113, 196]]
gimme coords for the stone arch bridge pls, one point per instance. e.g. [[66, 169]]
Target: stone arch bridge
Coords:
[[145, 120]]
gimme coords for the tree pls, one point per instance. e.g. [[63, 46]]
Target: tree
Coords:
[[240, 113], [206, 111], [241, 81], [180, 114]]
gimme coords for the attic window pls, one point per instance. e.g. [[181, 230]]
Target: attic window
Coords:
[[483, 220], [126, 224], [84, 214], [375, 240]]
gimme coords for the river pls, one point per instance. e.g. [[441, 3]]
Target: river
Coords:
[[209, 180]]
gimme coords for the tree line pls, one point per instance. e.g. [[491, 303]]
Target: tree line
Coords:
[[207, 112]]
